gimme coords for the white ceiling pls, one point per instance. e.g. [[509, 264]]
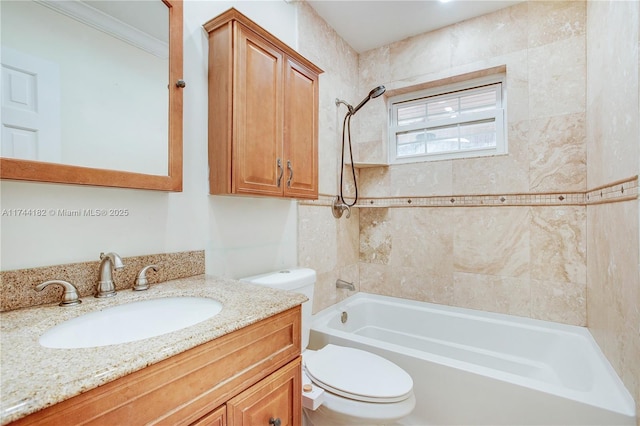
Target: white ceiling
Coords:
[[366, 24]]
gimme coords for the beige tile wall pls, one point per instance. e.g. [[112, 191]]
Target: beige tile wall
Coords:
[[325, 244], [522, 260], [613, 151], [528, 261]]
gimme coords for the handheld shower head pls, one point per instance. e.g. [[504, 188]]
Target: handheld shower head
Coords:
[[372, 94]]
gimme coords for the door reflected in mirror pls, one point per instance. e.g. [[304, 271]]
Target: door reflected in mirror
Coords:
[[79, 95]]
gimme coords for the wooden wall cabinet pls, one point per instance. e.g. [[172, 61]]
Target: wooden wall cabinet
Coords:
[[247, 377], [263, 113]]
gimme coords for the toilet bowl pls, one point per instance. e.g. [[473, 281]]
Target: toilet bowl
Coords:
[[349, 386]]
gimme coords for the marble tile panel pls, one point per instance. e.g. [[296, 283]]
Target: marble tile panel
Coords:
[[630, 370], [320, 43], [557, 152], [375, 236], [517, 86], [490, 35], [558, 244], [317, 245], [349, 184], [563, 302], [369, 125], [613, 285], [328, 142], [421, 179], [498, 174], [507, 295], [374, 279], [324, 293], [348, 239], [421, 54], [374, 67], [416, 283], [375, 182], [372, 151], [557, 78], [552, 21], [612, 89], [492, 241], [422, 239]]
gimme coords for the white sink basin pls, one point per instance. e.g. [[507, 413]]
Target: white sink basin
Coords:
[[130, 322]]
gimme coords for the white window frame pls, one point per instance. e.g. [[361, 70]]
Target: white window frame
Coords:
[[447, 92]]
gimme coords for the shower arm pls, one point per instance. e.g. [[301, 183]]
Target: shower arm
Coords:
[[349, 107]]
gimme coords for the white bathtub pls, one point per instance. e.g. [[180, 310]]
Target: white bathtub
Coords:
[[472, 367]]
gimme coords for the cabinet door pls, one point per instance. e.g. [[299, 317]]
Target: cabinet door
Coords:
[[217, 417], [278, 396], [300, 131], [258, 164]]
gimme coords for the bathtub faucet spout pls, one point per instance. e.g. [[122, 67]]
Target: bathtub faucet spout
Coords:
[[344, 284]]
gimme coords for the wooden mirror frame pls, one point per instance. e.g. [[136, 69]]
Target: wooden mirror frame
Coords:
[[38, 171]]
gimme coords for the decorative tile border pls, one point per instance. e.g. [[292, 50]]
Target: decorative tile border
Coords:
[[618, 191], [623, 190], [17, 286], [324, 200], [477, 200]]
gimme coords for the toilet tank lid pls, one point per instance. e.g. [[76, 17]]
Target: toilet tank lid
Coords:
[[285, 279]]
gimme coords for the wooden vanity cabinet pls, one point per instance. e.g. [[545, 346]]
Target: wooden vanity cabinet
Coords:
[[279, 393], [274, 400], [263, 113], [217, 417], [246, 377]]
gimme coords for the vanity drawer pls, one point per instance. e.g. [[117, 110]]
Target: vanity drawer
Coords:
[[185, 387]]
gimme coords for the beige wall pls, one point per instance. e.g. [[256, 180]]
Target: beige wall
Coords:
[[325, 244], [524, 260], [613, 152]]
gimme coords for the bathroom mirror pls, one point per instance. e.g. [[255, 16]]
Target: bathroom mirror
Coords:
[[92, 82]]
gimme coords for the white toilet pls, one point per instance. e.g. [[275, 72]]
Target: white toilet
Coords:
[[351, 386]]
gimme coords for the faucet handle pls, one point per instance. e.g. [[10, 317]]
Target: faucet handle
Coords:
[[141, 282], [70, 296]]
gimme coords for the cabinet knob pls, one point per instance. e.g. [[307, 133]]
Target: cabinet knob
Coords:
[[275, 422], [181, 84]]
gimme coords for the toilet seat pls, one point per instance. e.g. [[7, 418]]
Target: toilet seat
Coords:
[[358, 375]]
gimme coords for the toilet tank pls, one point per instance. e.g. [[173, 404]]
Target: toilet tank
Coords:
[[299, 280]]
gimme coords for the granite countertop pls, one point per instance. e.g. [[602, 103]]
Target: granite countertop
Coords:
[[34, 377]]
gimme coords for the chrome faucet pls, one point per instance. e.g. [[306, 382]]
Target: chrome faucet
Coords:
[[109, 261]]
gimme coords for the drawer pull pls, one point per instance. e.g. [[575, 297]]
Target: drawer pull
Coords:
[[290, 173], [281, 172], [275, 422]]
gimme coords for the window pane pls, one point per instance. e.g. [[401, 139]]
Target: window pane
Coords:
[[410, 143], [442, 139], [478, 135], [411, 114], [454, 124], [478, 102], [447, 108]]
